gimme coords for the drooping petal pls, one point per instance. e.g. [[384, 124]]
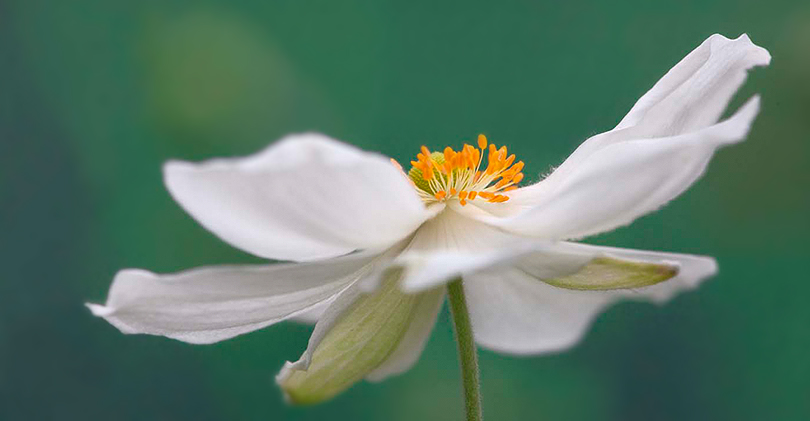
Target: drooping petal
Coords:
[[670, 130], [625, 180], [514, 310], [413, 342], [361, 335], [208, 305], [306, 197]]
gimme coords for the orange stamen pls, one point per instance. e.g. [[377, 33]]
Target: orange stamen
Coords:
[[463, 174], [482, 141]]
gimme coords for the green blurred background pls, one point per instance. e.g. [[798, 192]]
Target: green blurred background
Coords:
[[95, 95]]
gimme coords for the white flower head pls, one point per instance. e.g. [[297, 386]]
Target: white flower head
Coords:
[[372, 246]]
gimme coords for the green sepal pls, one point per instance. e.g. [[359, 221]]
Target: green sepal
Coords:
[[605, 273], [368, 332]]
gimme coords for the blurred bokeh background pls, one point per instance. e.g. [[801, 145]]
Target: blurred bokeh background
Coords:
[[95, 95]]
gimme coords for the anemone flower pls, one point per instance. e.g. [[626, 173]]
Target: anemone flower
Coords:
[[374, 250]]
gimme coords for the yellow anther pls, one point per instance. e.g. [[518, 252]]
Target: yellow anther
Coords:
[[463, 175], [448, 154], [482, 141], [501, 153], [462, 158], [472, 161], [510, 173], [509, 161]]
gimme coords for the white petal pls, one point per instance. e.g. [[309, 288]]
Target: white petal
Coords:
[[625, 180], [449, 246], [314, 314], [691, 96], [306, 197], [514, 311], [668, 132], [207, 305], [359, 335], [695, 92]]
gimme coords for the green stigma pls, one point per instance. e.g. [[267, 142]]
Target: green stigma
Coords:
[[415, 174]]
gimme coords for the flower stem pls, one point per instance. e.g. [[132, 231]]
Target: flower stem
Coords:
[[467, 354]]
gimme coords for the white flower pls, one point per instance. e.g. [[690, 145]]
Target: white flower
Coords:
[[374, 248]]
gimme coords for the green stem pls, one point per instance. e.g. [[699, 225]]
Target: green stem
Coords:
[[467, 354]]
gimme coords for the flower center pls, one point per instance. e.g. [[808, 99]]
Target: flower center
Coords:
[[441, 176]]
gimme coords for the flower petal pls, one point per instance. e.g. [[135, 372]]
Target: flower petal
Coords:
[[625, 180], [360, 335], [691, 96], [514, 311], [448, 246], [695, 92], [314, 314], [669, 130], [306, 197], [208, 305]]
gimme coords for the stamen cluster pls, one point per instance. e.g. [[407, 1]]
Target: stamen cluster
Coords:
[[440, 176]]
